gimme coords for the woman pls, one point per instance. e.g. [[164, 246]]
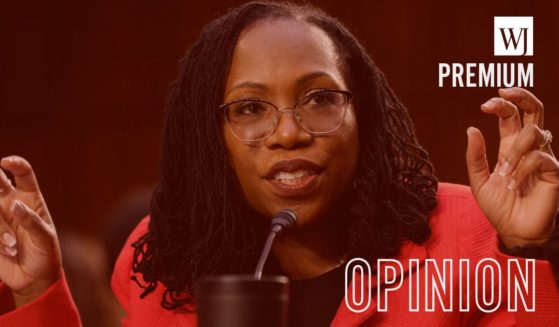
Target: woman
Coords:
[[276, 106]]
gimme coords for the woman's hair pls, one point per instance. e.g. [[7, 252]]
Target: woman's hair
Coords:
[[201, 225]]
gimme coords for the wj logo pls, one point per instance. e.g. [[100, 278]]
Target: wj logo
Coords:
[[513, 36]]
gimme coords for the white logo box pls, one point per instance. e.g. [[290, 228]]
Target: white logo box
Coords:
[[513, 36]]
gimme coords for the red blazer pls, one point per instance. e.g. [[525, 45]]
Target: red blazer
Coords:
[[459, 230]]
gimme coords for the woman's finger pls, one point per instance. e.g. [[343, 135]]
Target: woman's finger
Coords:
[[8, 240], [525, 100], [37, 228], [5, 184], [535, 161], [509, 118], [23, 173], [476, 160], [529, 138]]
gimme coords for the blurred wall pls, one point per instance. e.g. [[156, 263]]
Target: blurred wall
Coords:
[[83, 83]]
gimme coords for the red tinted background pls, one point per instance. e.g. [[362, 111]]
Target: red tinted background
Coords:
[[83, 83]]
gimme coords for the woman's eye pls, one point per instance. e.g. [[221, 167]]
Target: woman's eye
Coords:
[[319, 99], [249, 109]]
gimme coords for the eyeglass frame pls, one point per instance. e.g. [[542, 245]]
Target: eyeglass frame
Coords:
[[347, 94]]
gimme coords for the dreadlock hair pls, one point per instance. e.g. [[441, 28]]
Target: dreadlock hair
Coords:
[[200, 225]]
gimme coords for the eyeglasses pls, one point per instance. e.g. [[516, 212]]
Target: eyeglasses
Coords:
[[320, 112]]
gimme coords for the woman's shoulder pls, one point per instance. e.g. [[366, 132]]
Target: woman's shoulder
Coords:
[[456, 204], [458, 222], [140, 229], [123, 266], [456, 199], [141, 310], [125, 258], [446, 190], [123, 286]]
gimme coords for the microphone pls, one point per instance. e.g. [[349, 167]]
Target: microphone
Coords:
[[285, 219]]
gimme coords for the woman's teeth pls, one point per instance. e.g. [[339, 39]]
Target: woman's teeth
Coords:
[[292, 178]]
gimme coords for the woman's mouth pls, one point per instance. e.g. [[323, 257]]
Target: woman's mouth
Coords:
[[294, 178]]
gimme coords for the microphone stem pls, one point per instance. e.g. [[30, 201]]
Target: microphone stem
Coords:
[[264, 256]]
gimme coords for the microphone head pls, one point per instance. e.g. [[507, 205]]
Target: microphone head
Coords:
[[286, 218]]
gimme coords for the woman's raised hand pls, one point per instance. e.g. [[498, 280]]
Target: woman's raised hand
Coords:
[[521, 196], [30, 258]]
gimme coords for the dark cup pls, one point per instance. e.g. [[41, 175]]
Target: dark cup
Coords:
[[243, 301]]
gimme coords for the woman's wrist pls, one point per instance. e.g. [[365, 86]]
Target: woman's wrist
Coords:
[[32, 292], [548, 250]]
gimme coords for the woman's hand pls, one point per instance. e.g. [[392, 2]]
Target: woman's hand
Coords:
[[521, 196], [30, 255]]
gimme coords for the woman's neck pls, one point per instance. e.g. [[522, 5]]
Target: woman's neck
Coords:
[[310, 251]]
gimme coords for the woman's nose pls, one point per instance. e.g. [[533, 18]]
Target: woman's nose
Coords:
[[288, 133]]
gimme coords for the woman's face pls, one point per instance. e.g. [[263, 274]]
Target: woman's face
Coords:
[[282, 61]]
